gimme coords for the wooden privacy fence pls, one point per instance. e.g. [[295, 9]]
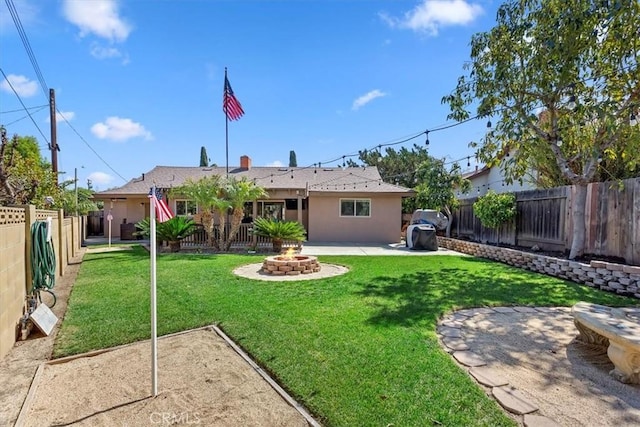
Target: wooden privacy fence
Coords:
[[544, 219], [15, 260]]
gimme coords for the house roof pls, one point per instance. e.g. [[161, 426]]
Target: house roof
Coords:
[[316, 180], [476, 173]]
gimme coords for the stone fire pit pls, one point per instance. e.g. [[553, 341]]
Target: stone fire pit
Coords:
[[283, 265]]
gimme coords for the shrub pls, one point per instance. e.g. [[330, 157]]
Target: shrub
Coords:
[[279, 231], [172, 231], [493, 209]]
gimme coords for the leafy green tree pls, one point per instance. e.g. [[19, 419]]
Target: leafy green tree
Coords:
[[493, 209], [437, 186], [575, 60], [68, 199], [292, 159], [25, 177], [238, 192], [204, 160], [397, 167]]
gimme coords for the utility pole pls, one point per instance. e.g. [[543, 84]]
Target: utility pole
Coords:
[[54, 139]]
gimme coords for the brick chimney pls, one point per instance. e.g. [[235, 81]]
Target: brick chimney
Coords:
[[245, 162]]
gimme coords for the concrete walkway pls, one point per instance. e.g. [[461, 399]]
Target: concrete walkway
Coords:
[[321, 248], [353, 248]]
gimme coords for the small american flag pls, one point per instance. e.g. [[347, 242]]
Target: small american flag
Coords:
[[230, 104], [163, 213]]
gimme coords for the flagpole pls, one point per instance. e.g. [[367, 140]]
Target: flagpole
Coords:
[[154, 326], [226, 127]]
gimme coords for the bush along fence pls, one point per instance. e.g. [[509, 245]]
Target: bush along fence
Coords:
[[618, 278], [15, 260], [543, 219]]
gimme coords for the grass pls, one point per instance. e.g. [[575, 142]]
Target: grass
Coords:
[[358, 349]]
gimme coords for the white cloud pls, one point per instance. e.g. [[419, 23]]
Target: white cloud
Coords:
[[98, 17], [276, 163], [22, 85], [100, 178], [119, 129], [367, 98], [101, 52], [431, 15]]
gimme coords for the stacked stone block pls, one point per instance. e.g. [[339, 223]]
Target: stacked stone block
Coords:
[[618, 278], [281, 266]]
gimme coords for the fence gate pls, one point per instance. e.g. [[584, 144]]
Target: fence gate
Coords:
[[95, 223]]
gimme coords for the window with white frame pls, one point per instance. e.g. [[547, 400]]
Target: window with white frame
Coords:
[[355, 207], [186, 207]]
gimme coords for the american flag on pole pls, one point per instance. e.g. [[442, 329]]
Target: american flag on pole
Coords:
[[230, 104], [163, 213]]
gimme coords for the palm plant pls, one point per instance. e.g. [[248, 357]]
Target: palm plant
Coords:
[[207, 193], [279, 231], [238, 192], [172, 231]]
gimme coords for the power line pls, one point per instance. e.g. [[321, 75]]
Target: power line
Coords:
[[89, 145], [24, 117], [27, 46], [24, 106], [39, 107]]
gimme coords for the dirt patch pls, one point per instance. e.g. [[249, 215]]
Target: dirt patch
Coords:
[[201, 380]]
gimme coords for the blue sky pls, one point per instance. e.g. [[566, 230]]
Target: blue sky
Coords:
[[141, 81]]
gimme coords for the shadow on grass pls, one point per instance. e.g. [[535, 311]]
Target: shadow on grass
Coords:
[[424, 296]]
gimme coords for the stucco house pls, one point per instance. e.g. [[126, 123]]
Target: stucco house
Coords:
[[333, 204], [492, 178]]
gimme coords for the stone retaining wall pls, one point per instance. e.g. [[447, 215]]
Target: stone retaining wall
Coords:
[[618, 278]]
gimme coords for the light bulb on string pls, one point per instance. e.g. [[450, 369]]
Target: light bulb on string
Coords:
[[633, 121], [427, 134], [468, 161], [489, 124]]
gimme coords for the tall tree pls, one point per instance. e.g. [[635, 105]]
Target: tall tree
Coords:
[[25, 177], [238, 192], [396, 167], [576, 60], [204, 160], [437, 186], [292, 159]]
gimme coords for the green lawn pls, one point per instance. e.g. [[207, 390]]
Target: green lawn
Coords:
[[356, 350]]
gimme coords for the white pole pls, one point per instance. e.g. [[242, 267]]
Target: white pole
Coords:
[[154, 326], [109, 218]]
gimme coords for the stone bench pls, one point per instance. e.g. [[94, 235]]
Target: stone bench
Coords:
[[617, 329]]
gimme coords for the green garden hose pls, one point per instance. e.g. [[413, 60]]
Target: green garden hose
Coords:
[[43, 258]]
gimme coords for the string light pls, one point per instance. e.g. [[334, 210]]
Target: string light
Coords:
[[633, 121], [489, 124], [427, 141]]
